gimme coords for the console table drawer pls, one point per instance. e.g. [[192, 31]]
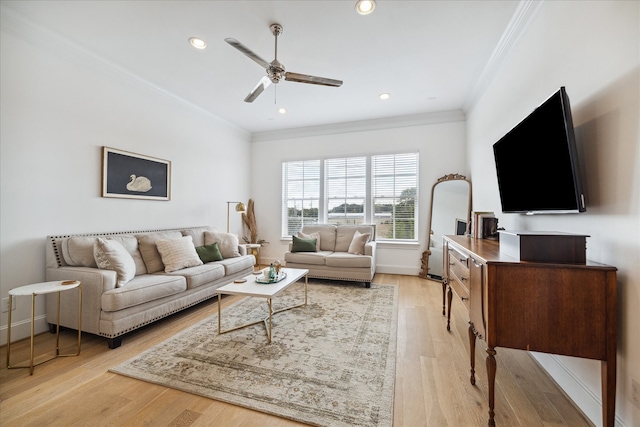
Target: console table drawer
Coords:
[[460, 289]]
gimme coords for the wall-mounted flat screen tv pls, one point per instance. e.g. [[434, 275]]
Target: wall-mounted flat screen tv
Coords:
[[537, 162]]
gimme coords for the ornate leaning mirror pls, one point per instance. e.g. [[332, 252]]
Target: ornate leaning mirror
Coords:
[[450, 214]]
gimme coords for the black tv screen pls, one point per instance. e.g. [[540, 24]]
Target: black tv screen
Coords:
[[537, 162]]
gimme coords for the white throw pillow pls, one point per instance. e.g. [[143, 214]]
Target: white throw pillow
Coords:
[[178, 253], [227, 243], [357, 243], [315, 235], [111, 255]]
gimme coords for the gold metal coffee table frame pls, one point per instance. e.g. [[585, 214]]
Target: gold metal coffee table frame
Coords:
[[268, 291], [33, 291]]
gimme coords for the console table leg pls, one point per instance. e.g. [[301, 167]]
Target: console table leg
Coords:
[[449, 298], [608, 380], [472, 354], [444, 292], [491, 379]]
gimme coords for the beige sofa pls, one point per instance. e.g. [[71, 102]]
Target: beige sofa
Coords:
[[138, 290], [332, 258]]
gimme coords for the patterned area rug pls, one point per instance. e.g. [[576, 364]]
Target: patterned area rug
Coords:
[[330, 363]]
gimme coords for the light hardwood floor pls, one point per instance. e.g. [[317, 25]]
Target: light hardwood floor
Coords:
[[432, 378]]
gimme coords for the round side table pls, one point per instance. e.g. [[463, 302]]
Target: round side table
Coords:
[[41, 289]]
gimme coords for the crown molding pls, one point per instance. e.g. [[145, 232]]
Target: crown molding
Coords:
[[520, 20], [362, 125]]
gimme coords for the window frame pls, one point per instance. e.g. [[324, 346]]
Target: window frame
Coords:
[[368, 203]]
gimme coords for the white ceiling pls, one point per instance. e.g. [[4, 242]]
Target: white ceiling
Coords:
[[429, 55]]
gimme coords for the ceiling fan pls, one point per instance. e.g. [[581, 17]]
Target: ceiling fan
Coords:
[[275, 69]]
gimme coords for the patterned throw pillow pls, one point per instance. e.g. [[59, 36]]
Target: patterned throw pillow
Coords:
[[178, 253], [111, 255]]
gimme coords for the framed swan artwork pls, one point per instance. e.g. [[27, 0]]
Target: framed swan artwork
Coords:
[[135, 176]]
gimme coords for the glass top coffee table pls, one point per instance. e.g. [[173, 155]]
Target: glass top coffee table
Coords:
[[251, 288]]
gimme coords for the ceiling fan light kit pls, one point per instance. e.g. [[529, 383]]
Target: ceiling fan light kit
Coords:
[[365, 7], [275, 69]]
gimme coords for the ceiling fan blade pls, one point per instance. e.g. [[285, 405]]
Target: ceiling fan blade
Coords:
[[314, 80], [260, 87], [248, 52]]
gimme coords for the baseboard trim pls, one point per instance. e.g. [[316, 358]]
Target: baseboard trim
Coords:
[[22, 329], [395, 269], [589, 402]]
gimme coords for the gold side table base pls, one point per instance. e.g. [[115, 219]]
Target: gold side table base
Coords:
[[31, 364]]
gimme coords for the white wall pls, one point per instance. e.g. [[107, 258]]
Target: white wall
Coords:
[[441, 148], [593, 49], [59, 107]]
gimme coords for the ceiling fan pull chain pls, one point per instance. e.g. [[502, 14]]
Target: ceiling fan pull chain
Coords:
[[275, 95]]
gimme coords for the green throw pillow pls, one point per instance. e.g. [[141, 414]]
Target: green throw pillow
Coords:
[[209, 253], [303, 245]]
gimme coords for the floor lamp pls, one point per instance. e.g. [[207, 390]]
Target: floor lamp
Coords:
[[239, 209]]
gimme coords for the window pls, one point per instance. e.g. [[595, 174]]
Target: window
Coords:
[[345, 190], [379, 189], [394, 188], [301, 190]]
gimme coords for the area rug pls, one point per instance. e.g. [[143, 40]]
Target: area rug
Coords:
[[330, 363]]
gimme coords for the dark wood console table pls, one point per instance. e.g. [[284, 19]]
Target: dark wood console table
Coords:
[[567, 309]]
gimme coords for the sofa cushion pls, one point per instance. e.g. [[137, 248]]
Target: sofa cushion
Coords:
[[344, 235], [227, 242], [357, 243], [77, 251], [314, 258], [178, 253], [197, 233], [201, 274], [130, 243], [314, 235], [111, 255], [141, 289], [327, 235], [303, 245], [149, 251], [237, 264], [346, 260], [209, 253]]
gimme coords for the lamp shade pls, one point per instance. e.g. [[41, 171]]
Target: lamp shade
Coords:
[[240, 207]]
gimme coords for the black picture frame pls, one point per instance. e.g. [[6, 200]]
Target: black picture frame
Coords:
[[135, 176]]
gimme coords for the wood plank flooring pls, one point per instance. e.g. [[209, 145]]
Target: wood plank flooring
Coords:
[[432, 378]]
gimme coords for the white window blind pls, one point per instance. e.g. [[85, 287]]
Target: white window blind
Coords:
[[345, 190], [394, 186], [301, 191]]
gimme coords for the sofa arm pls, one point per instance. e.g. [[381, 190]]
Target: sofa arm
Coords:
[[370, 248], [94, 283]]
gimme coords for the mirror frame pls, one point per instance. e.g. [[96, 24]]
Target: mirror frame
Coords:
[[425, 255]]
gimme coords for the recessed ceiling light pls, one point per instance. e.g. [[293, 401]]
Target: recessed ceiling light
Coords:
[[365, 7], [282, 110], [384, 96], [198, 43]]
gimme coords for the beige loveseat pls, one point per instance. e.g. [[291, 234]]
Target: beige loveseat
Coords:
[[159, 278], [331, 258]]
